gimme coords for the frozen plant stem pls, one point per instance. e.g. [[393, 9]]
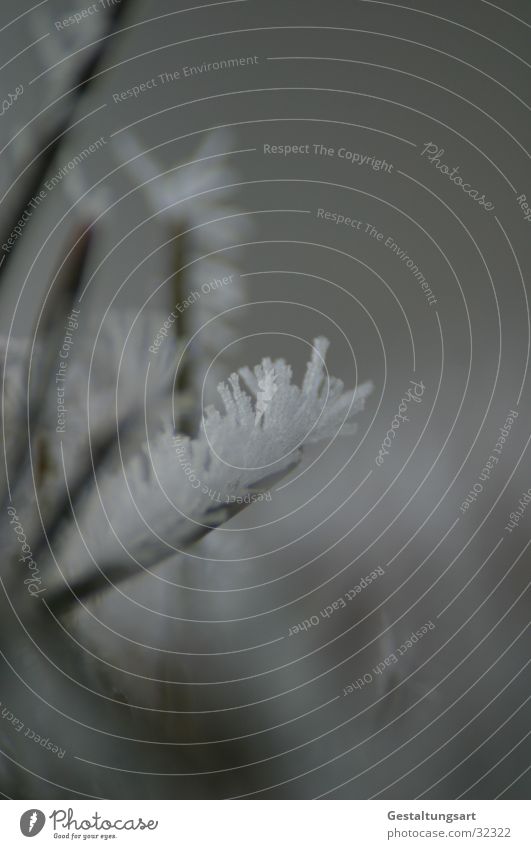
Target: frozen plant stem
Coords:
[[161, 501]]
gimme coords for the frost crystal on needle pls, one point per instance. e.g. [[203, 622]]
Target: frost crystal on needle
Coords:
[[265, 434], [170, 484]]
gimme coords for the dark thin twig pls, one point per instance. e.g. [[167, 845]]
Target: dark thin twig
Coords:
[[55, 136]]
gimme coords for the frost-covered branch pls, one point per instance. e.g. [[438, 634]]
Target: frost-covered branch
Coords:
[[177, 489]]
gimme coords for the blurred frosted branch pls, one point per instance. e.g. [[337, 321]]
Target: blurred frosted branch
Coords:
[[76, 54]]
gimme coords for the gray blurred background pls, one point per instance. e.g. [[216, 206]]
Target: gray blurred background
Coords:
[[185, 681]]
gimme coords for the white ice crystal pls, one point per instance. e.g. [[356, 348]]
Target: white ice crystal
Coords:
[[266, 389], [291, 417], [177, 488]]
